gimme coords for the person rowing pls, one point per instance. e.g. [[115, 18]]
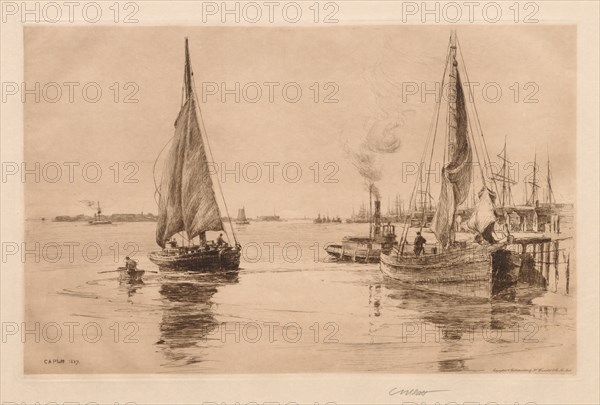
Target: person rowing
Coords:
[[130, 265]]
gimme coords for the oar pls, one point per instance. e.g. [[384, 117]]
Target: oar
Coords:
[[123, 269]]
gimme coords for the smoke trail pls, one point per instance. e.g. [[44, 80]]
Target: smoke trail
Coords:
[[384, 128], [387, 125], [366, 164], [384, 136]]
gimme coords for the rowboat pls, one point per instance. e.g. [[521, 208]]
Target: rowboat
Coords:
[[130, 277]]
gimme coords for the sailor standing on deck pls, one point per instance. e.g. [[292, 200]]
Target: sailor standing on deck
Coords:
[[419, 244]]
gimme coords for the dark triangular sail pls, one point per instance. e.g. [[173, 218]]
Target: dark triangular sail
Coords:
[[187, 198], [456, 175]]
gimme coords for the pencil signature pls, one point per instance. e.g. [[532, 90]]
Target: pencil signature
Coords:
[[412, 392]]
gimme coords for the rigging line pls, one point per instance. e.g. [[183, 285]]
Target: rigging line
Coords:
[[434, 122], [424, 153], [475, 109], [476, 146], [477, 153], [213, 159], [419, 179], [156, 189], [437, 119]]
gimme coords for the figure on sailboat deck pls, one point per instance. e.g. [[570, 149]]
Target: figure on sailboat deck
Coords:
[[187, 200], [419, 244]]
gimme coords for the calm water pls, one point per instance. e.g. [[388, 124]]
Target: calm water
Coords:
[[286, 310]]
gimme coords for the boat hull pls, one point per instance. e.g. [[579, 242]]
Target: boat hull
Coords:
[[197, 259], [363, 249], [354, 254], [135, 277], [480, 272]]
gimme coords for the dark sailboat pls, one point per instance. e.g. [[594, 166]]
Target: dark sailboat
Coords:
[[241, 218], [477, 267], [187, 199]]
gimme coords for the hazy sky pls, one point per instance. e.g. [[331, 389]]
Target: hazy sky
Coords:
[[369, 66]]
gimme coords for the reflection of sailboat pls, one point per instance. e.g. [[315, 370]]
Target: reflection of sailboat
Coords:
[[187, 196], [188, 317], [457, 323], [98, 219], [452, 266], [241, 218]]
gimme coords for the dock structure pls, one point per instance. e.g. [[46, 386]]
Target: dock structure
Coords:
[[541, 255]]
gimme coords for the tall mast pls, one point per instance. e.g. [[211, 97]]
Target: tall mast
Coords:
[[370, 210], [504, 175], [534, 193], [452, 97], [187, 78], [550, 192], [189, 84]]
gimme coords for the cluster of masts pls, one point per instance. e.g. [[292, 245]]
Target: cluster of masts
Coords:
[[326, 219], [532, 185]]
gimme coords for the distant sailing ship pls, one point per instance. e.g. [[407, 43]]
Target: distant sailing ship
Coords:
[[394, 213], [98, 219], [241, 218], [187, 199], [532, 216], [361, 218], [479, 267]]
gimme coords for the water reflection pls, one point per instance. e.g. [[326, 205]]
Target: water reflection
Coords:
[[131, 285], [457, 323], [188, 316]]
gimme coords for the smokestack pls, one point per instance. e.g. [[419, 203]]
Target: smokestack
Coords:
[[377, 218]]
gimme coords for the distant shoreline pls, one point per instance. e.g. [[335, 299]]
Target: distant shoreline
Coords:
[[149, 217]]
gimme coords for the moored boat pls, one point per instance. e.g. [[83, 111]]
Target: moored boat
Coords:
[[365, 249], [187, 200], [480, 266]]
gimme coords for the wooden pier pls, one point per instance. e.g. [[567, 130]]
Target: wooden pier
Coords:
[[545, 262]]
